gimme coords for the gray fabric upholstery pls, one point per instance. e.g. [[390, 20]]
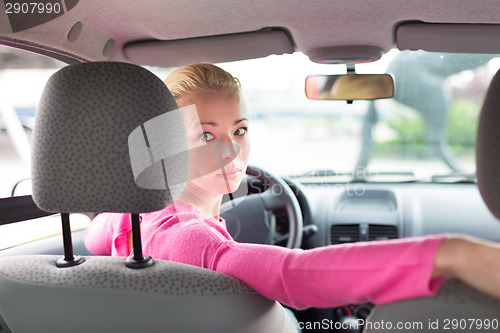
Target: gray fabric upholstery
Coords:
[[488, 148], [165, 278], [454, 300], [81, 159], [102, 295]]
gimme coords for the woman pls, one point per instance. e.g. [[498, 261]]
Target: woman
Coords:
[[190, 229]]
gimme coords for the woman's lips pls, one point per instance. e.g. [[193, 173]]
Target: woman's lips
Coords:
[[230, 173]]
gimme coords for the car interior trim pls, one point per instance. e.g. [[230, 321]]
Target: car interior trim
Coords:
[[21, 208], [453, 38], [350, 54], [65, 57], [221, 48]]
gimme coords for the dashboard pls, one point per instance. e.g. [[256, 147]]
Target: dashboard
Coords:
[[397, 210]]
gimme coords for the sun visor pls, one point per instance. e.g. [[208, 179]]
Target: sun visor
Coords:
[[220, 48], [452, 38]]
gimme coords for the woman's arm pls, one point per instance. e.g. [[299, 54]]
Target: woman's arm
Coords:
[[379, 272], [98, 237]]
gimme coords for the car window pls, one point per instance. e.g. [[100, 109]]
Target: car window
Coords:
[[22, 78], [426, 130], [19, 233]]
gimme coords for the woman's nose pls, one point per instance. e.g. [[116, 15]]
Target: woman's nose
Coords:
[[229, 150]]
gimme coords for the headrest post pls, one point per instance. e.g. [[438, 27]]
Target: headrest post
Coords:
[[69, 259], [138, 260]]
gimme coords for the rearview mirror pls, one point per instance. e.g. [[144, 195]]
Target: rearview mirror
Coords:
[[349, 87]]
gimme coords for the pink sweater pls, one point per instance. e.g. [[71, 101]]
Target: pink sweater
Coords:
[[377, 271]]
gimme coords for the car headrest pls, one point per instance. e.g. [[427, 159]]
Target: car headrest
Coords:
[[488, 148], [80, 156]]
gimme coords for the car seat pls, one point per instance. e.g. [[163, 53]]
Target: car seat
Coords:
[[81, 163]]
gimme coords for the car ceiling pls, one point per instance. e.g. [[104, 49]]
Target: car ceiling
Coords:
[[108, 25]]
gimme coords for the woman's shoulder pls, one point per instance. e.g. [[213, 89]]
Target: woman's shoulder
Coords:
[[179, 211], [180, 214], [180, 227]]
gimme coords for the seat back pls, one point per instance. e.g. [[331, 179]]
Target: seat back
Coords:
[[488, 148]]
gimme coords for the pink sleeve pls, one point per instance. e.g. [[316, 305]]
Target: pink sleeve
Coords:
[[378, 271], [98, 237]]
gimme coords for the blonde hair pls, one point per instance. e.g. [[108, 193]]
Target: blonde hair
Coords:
[[199, 78]]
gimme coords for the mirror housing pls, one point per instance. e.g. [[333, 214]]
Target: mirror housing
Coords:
[[349, 87]]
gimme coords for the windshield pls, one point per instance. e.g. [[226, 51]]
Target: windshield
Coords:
[[427, 129]]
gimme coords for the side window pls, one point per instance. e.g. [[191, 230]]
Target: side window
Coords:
[[22, 78]]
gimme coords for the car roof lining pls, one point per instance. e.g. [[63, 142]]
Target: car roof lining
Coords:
[[312, 25]]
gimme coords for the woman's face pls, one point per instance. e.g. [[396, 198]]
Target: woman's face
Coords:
[[218, 140]]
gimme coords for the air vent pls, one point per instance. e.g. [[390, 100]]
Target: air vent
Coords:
[[347, 233], [381, 232]]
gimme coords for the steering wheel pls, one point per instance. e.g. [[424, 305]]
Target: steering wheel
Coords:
[[250, 218]]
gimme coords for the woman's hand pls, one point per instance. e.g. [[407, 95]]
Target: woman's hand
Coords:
[[474, 261]]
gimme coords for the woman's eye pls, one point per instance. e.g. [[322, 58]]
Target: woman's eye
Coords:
[[206, 136], [241, 131]]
